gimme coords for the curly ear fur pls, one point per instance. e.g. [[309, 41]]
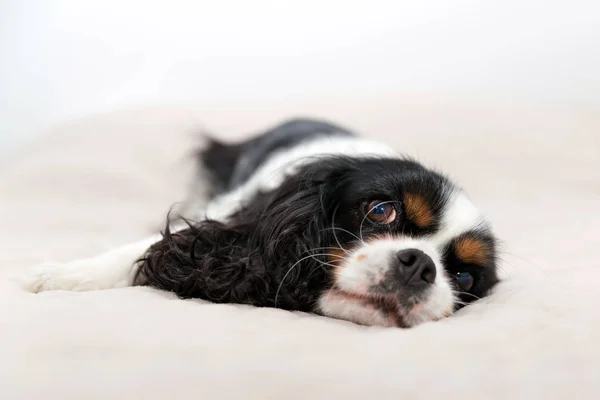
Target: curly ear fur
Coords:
[[253, 257]]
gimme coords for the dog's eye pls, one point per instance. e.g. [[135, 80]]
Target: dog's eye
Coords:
[[465, 280], [382, 213]]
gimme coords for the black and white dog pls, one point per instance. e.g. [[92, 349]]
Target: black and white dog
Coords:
[[308, 216]]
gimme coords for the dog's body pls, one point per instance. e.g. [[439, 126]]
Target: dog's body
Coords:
[[308, 216]]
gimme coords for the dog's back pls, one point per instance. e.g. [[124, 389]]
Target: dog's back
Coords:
[[231, 164]]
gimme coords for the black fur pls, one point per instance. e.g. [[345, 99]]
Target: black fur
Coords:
[[219, 160]]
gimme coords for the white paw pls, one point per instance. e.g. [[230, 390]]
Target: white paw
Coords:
[[46, 276], [113, 269], [77, 276]]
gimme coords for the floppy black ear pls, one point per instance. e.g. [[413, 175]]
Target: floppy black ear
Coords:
[[255, 256], [207, 260]]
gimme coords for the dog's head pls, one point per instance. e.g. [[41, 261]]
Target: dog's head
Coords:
[[375, 241], [403, 244]]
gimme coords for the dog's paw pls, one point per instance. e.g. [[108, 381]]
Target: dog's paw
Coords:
[[45, 277]]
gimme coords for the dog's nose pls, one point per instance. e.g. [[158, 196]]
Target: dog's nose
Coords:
[[415, 268]]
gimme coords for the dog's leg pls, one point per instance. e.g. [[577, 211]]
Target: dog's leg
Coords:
[[114, 269]]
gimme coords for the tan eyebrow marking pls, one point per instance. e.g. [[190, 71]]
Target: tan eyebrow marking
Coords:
[[361, 257], [471, 251], [418, 210]]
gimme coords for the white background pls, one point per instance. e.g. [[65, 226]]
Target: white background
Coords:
[[66, 58]]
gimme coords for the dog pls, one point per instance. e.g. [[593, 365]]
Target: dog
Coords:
[[309, 216]]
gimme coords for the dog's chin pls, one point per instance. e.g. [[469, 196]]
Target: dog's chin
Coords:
[[385, 310]]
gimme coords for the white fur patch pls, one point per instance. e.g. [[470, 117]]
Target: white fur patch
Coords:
[[459, 216]]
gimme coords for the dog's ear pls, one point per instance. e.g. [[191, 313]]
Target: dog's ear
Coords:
[[292, 226], [253, 258], [256, 255], [208, 260]]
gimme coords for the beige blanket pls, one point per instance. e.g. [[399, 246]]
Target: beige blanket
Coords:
[[102, 181]]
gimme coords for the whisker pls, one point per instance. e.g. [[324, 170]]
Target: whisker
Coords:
[[537, 266], [501, 268], [334, 255], [462, 303], [322, 266], [335, 235], [318, 267], [292, 267], [343, 230], [321, 248], [468, 294], [323, 262]]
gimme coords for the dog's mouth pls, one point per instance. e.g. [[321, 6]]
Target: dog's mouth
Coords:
[[376, 309]]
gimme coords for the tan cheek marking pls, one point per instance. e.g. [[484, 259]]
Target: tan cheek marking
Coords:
[[361, 257], [335, 257], [471, 251], [418, 210]]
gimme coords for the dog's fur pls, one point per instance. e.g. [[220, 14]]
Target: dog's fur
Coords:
[[293, 223]]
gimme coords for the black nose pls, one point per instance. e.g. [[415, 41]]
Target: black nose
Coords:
[[415, 268]]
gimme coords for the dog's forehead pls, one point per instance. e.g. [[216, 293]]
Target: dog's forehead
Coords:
[[458, 216], [392, 177]]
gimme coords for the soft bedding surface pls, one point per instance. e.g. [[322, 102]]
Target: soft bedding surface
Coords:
[[105, 180]]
